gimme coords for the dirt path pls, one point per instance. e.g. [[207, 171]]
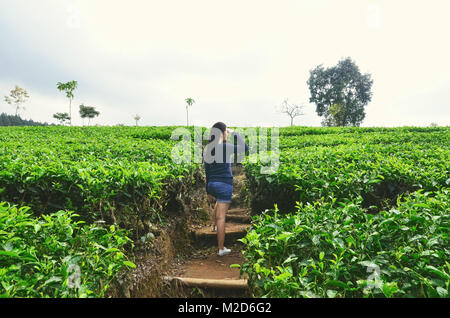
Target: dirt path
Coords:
[[206, 274]]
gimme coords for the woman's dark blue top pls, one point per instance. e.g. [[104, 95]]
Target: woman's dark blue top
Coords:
[[220, 167]]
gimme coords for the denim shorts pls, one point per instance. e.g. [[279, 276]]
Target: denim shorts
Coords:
[[220, 190]]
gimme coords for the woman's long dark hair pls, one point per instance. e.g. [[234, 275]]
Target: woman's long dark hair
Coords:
[[219, 125], [222, 127]]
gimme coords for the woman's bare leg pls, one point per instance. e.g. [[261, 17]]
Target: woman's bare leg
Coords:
[[221, 211], [212, 201], [214, 217]]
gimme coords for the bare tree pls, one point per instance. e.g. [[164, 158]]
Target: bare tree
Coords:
[[292, 110], [17, 97]]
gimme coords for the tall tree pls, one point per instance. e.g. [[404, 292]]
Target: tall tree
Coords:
[[137, 118], [88, 112], [62, 117], [189, 102], [68, 88], [17, 97], [344, 87], [292, 110]]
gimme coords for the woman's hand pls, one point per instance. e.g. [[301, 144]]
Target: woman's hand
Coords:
[[230, 131]]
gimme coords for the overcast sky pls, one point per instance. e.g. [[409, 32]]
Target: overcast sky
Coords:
[[237, 59]]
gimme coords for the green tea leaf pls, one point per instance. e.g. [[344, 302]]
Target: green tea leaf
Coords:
[[129, 264]]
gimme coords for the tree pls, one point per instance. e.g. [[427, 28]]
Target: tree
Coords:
[[17, 97], [68, 88], [292, 110], [137, 118], [189, 102], [88, 112], [62, 117], [345, 87], [334, 115]]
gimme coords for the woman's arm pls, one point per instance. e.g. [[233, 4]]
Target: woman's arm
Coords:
[[241, 146]]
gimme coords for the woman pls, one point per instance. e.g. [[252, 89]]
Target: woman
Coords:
[[219, 179]]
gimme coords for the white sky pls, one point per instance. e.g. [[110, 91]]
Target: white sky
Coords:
[[238, 59]]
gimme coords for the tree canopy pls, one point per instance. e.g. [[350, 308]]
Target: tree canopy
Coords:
[[340, 93], [88, 112], [62, 117]]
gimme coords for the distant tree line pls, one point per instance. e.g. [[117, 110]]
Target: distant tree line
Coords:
[[12, 120]]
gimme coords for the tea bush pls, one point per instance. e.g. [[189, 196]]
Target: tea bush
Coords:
[[57, 255], [100, 172], [336, 249], [343, 166]]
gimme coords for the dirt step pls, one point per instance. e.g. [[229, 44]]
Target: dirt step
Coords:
[[233, 231], [209, 283], [239, 216], [209, 275], [205, 263], [209, 288], [236, 218], [239, 211]]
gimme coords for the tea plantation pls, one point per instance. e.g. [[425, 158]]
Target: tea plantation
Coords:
[[358, 213], [349, 212]]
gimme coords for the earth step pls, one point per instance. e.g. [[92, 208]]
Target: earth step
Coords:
[[229, 284], [233, 231], [236, 202], [239, 211], [237, 218]]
